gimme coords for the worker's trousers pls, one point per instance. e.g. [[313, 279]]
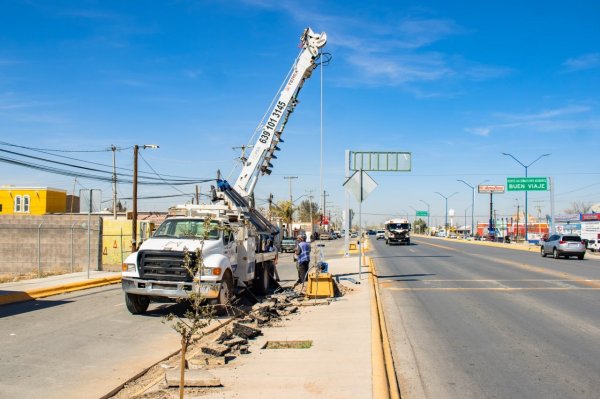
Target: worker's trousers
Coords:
[[302, 270]]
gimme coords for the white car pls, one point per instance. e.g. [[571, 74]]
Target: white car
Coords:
[[380, 234]]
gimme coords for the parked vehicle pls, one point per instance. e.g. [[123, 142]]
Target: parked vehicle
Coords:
[[288, 244], [563, 245], [325, 236], [593, 245]]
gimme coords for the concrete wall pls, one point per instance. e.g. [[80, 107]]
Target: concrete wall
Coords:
[[49, 244]]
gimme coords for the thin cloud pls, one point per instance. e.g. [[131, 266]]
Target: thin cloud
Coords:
[[583, 62], [558, 119], [546, 114], [392, 53]]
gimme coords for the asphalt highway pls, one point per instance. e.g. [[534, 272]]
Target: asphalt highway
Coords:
[[470, 321]]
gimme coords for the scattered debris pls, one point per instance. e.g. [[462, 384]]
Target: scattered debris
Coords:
[[215, 349], [223, 346], [245, 331]]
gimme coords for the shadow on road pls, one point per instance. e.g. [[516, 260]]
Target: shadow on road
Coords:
[[411, 256], [29, 306], [405, 277]]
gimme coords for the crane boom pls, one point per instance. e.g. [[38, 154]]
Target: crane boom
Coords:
[[258, 162]]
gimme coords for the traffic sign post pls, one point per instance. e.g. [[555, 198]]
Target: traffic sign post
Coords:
[[491, 189], [361, 184]]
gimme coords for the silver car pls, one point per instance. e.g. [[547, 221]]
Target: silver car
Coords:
[[563, 245]]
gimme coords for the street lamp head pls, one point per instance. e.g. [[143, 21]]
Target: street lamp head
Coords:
[[150, 146]]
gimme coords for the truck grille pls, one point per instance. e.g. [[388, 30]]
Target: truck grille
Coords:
[[163, 266]]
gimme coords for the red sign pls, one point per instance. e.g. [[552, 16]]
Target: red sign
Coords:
[[325, 220], [590, 216]]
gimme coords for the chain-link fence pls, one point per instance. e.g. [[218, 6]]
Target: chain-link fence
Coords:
[[42, 246]]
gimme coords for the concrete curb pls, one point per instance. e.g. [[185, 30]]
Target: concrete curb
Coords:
[[35, 293], [385, 383]]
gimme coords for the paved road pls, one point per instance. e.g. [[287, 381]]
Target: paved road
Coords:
[[76, 345], [471, 321], [83, 344]]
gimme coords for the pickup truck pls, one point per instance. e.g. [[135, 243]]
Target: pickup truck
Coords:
[[288, 244]]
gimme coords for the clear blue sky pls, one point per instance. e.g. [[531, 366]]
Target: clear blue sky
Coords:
[[455, 83]]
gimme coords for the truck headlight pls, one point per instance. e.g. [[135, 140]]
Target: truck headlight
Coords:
[[211, 271], [128, 267]]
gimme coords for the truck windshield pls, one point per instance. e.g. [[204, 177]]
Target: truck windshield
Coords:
[[187, 228], [398, 226]]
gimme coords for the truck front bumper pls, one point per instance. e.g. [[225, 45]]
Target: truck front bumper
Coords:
[[169, 289]]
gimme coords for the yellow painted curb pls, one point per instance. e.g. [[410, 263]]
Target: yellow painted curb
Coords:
[[28, 295], [385, 383]]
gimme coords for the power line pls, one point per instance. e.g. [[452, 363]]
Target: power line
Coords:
[[44, 151]]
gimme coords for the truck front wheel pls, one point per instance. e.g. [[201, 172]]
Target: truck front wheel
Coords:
[[136, 304], [225, 297]]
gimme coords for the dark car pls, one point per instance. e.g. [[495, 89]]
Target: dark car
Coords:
[[563, 245]]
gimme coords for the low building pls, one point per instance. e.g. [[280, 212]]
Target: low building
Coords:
[[32, 200]]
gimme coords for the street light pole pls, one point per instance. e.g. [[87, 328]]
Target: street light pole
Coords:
[[472, 205], [428, 216], [526, 167], [136, 149], [446, 198]]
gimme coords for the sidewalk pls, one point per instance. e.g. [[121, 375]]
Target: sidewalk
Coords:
[[26, 290], [337, 365]]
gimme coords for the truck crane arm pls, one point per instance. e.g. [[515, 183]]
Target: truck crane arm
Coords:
[[258, 162]]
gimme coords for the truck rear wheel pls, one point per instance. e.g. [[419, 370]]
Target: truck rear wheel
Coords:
[[262, 281], [136, 304]]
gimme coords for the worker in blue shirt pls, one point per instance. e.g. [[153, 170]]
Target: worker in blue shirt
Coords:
[[303, 254]]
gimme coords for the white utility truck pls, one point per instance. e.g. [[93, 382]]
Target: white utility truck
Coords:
[[397, 231], [235, 249]]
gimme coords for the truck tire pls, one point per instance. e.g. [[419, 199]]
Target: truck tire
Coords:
[[262, 281], [225, 298], [136, 304]]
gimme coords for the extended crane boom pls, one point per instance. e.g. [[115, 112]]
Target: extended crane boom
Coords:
[[258, 162]]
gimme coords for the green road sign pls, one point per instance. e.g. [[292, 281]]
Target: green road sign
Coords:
[[378, 161], [421, 213], [527, 184]]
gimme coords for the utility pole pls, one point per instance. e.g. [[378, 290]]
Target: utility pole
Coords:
[[243, 148], [518, 210], [114, 180], [290, 178], [136, 149], [310, 201], [325, 195], [197, 195]]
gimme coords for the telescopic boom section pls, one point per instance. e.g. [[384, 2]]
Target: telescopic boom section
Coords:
[[258, 162]]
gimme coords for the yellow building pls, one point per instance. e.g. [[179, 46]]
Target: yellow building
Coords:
[[32, 200]]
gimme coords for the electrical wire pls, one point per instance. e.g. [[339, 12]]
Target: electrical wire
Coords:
[[44, 151]]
